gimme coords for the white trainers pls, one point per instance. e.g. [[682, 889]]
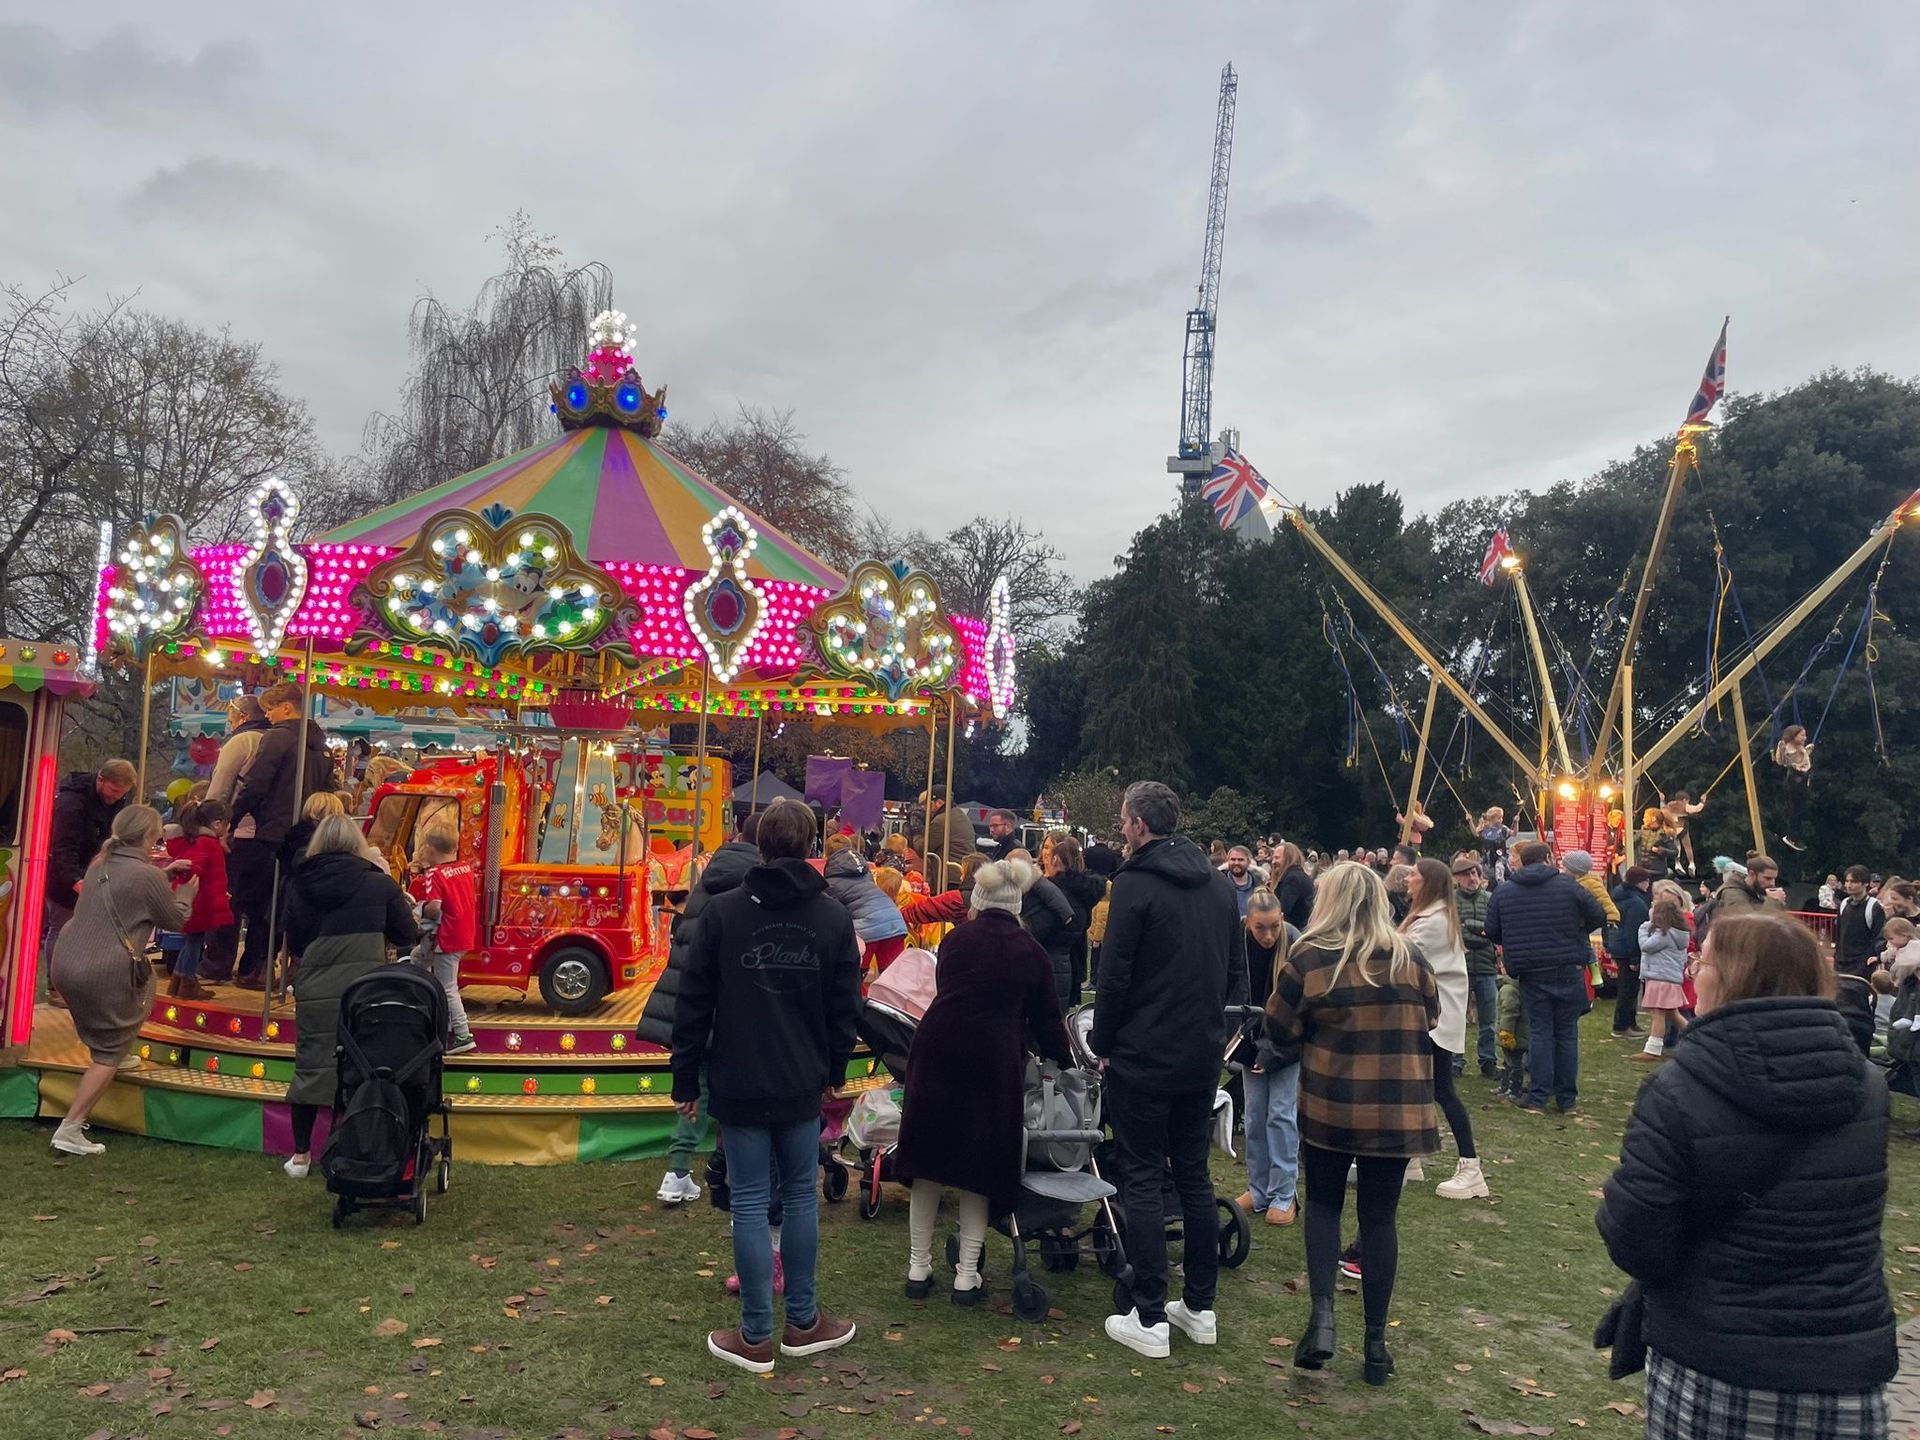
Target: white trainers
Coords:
[[677, 1189], [1152, 1341], [1199, 1326], [72, 1140], [298, 1169], [1467, 1183], [1415, 1171]]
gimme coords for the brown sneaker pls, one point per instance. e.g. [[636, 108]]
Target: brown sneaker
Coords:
[[826, 1333], [733, 1347], [1245, 1201], [1281, 1214]]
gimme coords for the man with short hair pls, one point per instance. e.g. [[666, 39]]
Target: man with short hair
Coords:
[[1240, 875], [83, 811], [249, 868], [1634, 901], [934, 829], [1857, 939], [767, 1005], [1470, 900], [1755, 890], [270, 794], [1542, 920], [1173, 959], [1003, 830], [1405, 855]]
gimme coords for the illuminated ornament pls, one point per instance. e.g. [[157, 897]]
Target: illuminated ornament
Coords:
[[530, 1086], [173, 1057], [155, 590], [1000, 674], [646, 1082], [213, 1064], [608, 390], [200, 1021], [103, 558], [567, 1041], [257, 1070], [271, 580], [173, 1013], [588, 1085], [886, 632], [473, 1084], [233, 1026], [513, 1040], [146, 1052], [725, 609], [273, 1030], [619, 1042]]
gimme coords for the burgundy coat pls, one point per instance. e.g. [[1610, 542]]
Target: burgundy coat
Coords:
[[960, 1124]]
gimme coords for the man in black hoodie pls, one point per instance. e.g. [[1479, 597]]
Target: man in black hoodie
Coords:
[[726, 868], [767, 1003], [270, 793], [1174, 958], [1543, 921]]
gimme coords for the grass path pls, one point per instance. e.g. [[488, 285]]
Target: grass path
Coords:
[[207, 1295]]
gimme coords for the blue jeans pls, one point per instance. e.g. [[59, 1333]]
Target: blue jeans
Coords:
[[752, 1154], [1273, 1136], [1555, 1000], [186, 965], [1486, 1006]]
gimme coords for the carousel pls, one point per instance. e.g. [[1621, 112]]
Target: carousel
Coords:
[[575, 601]]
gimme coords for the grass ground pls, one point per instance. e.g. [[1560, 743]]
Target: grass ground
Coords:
[[201, 1293]]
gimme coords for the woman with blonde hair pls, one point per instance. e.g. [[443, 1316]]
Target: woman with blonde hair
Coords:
[[1361, 1002], [1433, 924], [100, 960]]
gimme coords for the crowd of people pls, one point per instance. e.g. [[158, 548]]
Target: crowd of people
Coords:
[[1336, 990]]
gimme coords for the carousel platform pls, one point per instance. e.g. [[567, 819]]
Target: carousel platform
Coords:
[[541, 1089]]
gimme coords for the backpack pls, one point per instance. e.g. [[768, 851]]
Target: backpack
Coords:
[[371, 1150]]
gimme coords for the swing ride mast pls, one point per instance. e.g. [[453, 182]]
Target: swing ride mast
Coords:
[[1549, 696], [1909, 510], [1686, 456], [1436, 670]]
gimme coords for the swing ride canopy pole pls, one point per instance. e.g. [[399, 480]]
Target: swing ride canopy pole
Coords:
[[1628, 830], [946, 833], [1426, 657], [699, 763], [1420, 760], [1774, 638], [1746, 771], [1685, 457], [1549, 697]]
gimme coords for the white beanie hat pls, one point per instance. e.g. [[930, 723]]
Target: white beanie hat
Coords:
[[1002, 885]]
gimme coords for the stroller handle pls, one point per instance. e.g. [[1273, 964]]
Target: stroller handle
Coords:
[[1065, 1137]]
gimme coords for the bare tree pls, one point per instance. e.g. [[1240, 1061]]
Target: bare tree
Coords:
[[760, 458], [479, 384], [969, 558]]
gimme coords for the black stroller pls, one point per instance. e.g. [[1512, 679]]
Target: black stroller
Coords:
[[392, 1035]]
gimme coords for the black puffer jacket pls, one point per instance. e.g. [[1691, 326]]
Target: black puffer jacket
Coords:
[[1749, 1197], [1051, 919], [1295, 892], [726, 868], [1084, 890], [81, 822], [268, 791], [1174, 957], [1541, 919]]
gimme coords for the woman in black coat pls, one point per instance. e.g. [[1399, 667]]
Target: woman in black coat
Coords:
[[1292, 885], [1748, 1204], [1066, 867], [1049, 917], [961, 1122]]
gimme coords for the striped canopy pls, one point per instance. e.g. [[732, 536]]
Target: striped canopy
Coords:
[[623, 497]]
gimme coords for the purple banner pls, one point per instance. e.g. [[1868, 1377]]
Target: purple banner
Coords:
[[863, 795], [824, 776]]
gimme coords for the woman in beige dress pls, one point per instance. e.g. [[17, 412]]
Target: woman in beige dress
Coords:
[[100, 964]]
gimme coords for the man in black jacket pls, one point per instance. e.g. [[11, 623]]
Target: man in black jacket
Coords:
[[271, 792], [726, 868], [767, 1003], [1543, 921], [83, 811], [1633, 899], [1173, 960]]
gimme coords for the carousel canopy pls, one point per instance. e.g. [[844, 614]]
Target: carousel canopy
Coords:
[[622, 496]]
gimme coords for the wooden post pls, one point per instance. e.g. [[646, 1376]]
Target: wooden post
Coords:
[[759, 729], [1629, 828], [1420, 759], [946, 833], [1746, 771], [146, 725], [700, 763]]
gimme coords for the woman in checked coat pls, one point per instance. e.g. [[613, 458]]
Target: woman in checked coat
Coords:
[[1359, 999]]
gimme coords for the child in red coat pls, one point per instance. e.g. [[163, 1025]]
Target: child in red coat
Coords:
[[202, 844]]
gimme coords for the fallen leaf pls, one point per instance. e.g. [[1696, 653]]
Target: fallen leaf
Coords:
[[158, 1373], [406, 1291], [209, 1344], [367, 1420], [1505, 1427], [16, 1373], [716, 1388], [243, 1266], [425, 1342], [661, 1432], [94, 1391], [894, 1335], [1463, 1367], [695, 1433], [60, 1337], [149, 1240], [1072, 1427], [1623, 1407], [303, 1309], [46, 1217], [389, 1327], [1280, 1340], [1010, 1344], [389, 1244], [260, 1400], [97, 1434], [655, 1381], [1189, 1387], [603, 1299]]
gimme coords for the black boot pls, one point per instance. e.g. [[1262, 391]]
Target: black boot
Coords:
[[1316, 1346], [1379, 1361]]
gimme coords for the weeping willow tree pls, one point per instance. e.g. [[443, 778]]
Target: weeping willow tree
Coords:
[[479, 384]]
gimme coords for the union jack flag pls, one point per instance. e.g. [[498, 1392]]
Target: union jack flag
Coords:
[[1498, 549], [1234, 489], [1712, 383]]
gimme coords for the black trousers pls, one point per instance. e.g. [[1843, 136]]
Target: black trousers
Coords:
[[250, 876], [1152, 1133], [1381, 1178], [1626, 998], [1450, 1103], [1799, 787]]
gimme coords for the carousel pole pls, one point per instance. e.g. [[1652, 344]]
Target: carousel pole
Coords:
[[146, 726], [700, 762], [933, 746], [299, 802], [1628, 829], [946, 833], [759, 730]]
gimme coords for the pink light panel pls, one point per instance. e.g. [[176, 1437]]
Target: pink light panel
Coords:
[[973, 669]]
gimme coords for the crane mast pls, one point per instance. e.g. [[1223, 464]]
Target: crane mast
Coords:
[[1195, 457]]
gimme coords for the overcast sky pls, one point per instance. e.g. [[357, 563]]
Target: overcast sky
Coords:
[[1469, 246]]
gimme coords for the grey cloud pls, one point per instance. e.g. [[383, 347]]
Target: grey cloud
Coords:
[[206, 188], [1321, 220], [117, 76]]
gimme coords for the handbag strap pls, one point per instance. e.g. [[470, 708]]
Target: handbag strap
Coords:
[[113, 912]]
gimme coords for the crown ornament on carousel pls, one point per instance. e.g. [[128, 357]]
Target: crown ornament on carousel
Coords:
[[608, 389]]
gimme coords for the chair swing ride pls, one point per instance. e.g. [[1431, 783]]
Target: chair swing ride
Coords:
[[1585, 800]]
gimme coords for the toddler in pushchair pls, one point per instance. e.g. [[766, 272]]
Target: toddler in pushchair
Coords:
[[890, 1012], [391, 1038]]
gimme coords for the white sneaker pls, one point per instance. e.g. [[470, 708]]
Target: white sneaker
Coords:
[[677, 1189], [1199, 1326], [1152, 1341], [298, 1169], [73, 1141], [1467, 1183], [130, 1062], [1415, 1171]]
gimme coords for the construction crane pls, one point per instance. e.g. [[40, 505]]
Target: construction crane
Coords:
[[1196, 456]]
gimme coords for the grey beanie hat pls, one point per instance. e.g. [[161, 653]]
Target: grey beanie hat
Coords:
[[1577, 862]]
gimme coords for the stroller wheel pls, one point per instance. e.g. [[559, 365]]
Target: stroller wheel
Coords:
[[443, 1177], [1030, 1300], [1059, 1253], [1106, 1249], [420, 1205], [339, 1212], [834, 1178], [1236, 1234], [869, 1204]]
